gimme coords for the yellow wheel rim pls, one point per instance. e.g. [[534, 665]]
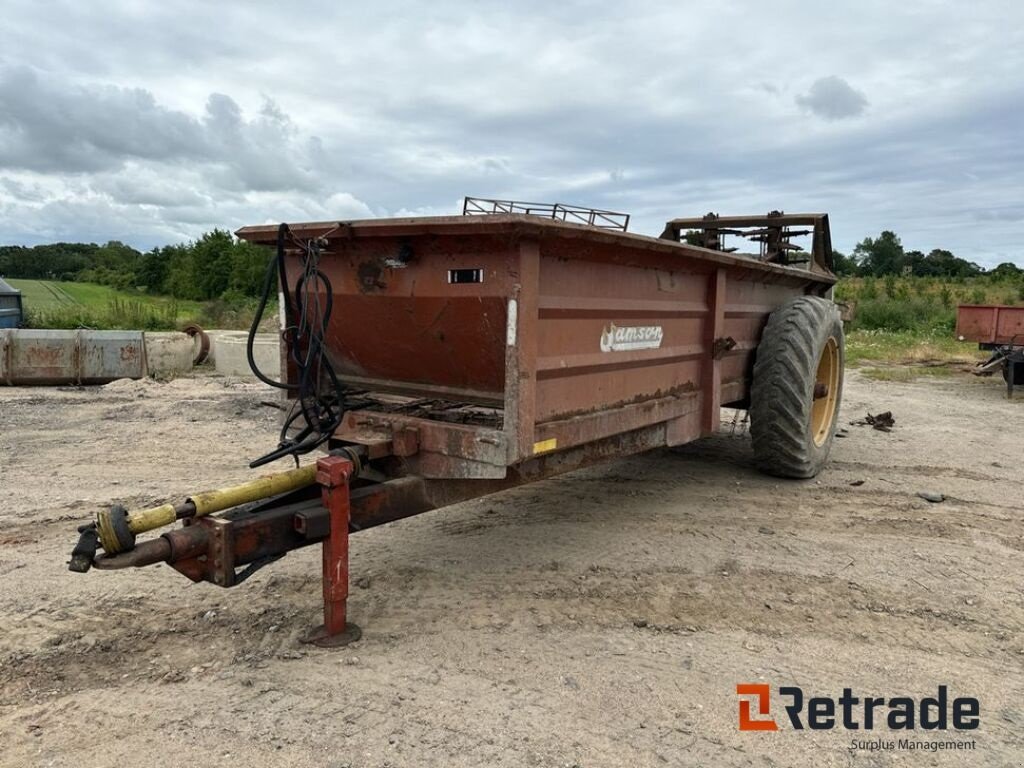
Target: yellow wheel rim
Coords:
[[826, 392]]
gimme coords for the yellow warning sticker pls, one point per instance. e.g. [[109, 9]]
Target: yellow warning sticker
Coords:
[[545, 445]]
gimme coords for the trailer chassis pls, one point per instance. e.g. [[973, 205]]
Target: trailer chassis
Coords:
[[228, 548]]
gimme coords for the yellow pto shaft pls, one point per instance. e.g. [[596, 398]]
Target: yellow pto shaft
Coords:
[[117, 528], [261, 488]]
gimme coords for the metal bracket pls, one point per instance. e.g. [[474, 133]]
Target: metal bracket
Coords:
[[221, 564], [721, 346]]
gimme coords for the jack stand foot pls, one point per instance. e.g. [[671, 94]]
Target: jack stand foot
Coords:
[[320, 638]]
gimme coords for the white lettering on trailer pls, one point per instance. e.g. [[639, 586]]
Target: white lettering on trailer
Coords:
[[630, 337]]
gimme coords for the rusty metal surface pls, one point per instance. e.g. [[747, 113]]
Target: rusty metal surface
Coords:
[[438, 409], [691, 305], [990, 324], [399, 325], [31, 356], [431, 448], [564, 333]]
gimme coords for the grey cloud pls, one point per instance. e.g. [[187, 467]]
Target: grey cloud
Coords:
[[1009, 213], [100, 217], [48, 125], [832, 98], [261, 154], [141, 185], [27, 192]]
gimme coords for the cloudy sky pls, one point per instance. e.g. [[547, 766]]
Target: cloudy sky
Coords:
[[154, 122]]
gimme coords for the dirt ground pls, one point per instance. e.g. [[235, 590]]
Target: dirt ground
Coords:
[[602, 618]]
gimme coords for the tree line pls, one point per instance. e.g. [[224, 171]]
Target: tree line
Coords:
[[217, 266], [884, 255]]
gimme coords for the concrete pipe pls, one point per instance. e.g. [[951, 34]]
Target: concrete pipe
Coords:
[[229, 353]]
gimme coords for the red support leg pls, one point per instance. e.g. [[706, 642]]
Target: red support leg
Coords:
[[333, 474]]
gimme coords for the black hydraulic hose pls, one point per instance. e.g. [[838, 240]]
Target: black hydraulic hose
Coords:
[[322, 417], [274, 266]]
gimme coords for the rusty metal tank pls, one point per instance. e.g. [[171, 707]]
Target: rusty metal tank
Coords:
[[561, 335], [41, 356]]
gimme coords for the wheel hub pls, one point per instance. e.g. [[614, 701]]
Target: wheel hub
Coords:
[[826, 384]]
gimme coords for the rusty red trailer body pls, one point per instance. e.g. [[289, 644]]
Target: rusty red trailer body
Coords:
[[990, 324], [1000, 330], [511, 336], [489, 351]]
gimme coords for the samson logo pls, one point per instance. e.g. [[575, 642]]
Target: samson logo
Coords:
[[616, 339], [854, 712]]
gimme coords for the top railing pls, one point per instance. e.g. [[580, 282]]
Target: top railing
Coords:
[[592, 217]]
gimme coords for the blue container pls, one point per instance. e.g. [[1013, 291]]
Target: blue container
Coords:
[[10, 306]]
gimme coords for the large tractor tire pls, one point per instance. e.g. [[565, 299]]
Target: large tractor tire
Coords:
[[797, 387]]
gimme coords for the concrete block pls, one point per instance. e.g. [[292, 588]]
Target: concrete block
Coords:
[[228, 350], [168, 354]]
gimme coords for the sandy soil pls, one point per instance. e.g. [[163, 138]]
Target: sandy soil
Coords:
[[598, 619]]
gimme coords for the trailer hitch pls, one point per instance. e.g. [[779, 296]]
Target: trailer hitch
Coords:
[[115, 529], [1009, 358], [211, 548], [227, 549]]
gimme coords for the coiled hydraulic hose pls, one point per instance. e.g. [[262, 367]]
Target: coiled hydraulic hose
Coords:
[[305, 321]]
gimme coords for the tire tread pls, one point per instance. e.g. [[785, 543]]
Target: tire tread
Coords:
[[784, 372]]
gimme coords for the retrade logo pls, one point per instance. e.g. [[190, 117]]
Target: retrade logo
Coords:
[[762, 695], [855, 713]]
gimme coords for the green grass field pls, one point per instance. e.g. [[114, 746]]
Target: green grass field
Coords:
[[54, 304], [909, 347], [51, 294]]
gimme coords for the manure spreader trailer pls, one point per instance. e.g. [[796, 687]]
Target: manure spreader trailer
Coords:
[[428, 361]]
